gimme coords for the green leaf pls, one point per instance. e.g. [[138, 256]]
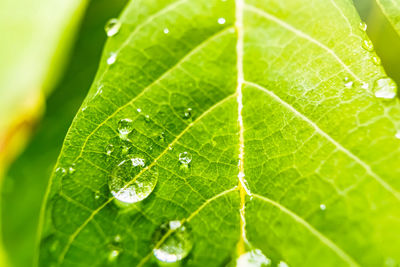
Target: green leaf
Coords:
[[391, 9], [289, 130], [25, 182]]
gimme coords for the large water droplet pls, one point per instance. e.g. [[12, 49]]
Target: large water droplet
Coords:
[[253, 258], [125, 126], [112, 27], [363, 26], [385, 88], [172, 242], [127, 184], [368, 45], [112, 58]]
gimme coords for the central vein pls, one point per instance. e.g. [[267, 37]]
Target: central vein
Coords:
[[240, 79]]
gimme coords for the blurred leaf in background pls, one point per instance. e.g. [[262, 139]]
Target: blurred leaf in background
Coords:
[[35, 38], [26, 180]]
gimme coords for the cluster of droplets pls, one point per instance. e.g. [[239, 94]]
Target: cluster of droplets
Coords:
[[384, 87], [172, 242]]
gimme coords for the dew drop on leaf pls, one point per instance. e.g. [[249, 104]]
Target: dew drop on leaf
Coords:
[[125, 126], [147, 118], [172, 242], [71, 169], [376, 60], [113, 255], [322, 206], [112, 58], [185, 158], [97, 195], [364, 85], [368, 45], [117, 238], [187, 114], [60, 171], [166, 30], [112, 27], [221, 21], [348, 83], [385, 88], [109, 149], [397, 135], [362, 26], [253, 258], [128, 184]]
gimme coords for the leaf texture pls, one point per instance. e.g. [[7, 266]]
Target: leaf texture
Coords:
[[291, 151]]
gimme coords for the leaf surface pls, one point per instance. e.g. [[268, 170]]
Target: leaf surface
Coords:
[[291, 152]]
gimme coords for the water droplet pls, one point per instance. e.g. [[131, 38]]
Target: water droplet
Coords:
[[322, 207], [97, 195], [166, 31], [185, 158], [113, 255], [112, 58], [177, 242], [367, 45], [161, 137], [282, 264], [170, 148], [221, 21], [128, 184], [362, 26], [253, 258], [60, 171], [71, 169], [397, 135], [187, 114], [139, 110], [125, 126], [376, 60], [385, 88], [147, 118], [348, 83], [364, 85], [117, 238], [109, 149], [112, 27]]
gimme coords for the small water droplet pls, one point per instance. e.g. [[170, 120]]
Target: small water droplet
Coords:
[[322, 206], [125, 126], [221, 21], [176, 246], [60, 171], [364, 85], [161, 137], [147, 118], [397, 135], [71, 169], [128, 184], [84, 108], [185, 158], [348, 83], [139, 110], [112, 58], [368, 45], [117, 238], [170, 148], [253, 258], [385, 88], [112, 27], [282, 264], [166, 30], [99, 90], [97, 195], [376, 60], [187, 114], [113, 255], [109, 149], [362, 26]]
